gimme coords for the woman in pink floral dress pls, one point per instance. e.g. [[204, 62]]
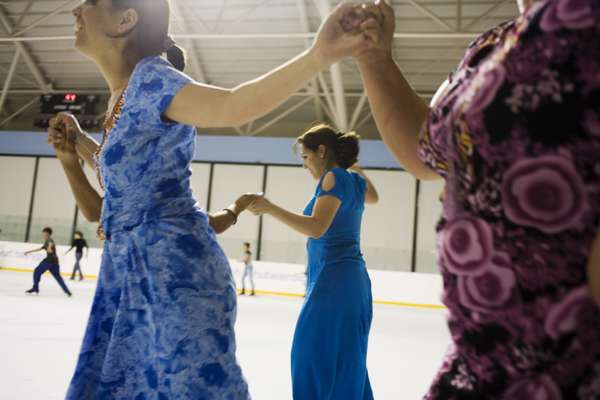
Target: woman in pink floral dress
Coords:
[[515, 133]]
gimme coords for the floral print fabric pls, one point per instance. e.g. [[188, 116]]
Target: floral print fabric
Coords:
[[516, 136], [162, 322]]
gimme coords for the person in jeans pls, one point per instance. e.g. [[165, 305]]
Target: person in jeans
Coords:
[[78, 243], [50, 263]]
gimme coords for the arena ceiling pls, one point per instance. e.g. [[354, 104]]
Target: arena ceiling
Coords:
[[231, 41]]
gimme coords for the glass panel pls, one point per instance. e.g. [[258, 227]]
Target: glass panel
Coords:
[[54, 205], [387, 231], [290, 188], [16, 178], [430, 209]]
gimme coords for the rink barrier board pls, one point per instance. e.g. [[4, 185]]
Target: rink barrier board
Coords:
[[263, 292], [394, 288]]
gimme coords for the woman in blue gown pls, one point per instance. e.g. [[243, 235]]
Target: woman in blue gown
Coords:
[[162, 321], [329, 351]]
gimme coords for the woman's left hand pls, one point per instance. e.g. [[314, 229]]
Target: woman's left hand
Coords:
[[260, 206]]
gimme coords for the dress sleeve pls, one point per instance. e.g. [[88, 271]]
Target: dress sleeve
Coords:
[[435, 131], [154, 84], [339, 189]]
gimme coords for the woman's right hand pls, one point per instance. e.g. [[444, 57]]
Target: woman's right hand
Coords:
[[382, 33], [62, 135]]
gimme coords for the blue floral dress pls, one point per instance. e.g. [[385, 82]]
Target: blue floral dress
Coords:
[[162, 321]]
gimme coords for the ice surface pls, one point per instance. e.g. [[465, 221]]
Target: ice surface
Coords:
[[40, 338]]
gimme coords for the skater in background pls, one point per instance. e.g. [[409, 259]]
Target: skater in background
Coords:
[[248, 269], [50, 263], [329, 350], [78, 243], [162, 323]]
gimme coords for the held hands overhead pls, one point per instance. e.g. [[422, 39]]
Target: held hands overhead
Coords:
[[355, 30]]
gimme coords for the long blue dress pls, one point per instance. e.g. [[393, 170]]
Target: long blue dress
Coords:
[[162, 321], [329, 350]]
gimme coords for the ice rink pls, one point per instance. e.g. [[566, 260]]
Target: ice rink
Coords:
[[40, 338]]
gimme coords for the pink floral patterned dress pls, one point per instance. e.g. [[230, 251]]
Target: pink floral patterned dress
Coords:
[[516, 136]]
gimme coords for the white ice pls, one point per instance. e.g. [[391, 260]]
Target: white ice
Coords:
[[40, 338]]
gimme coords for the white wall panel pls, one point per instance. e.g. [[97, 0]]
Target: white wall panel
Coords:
[[16, 179], [290, 188], [54, 205], [387, 233], [430, 209]]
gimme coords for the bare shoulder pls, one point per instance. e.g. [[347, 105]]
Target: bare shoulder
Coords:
[[328, 181]]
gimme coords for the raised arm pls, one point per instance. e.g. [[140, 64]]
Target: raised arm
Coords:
[[210, 106], [86, 197], [34, 251], [314, 225], [398, 110]]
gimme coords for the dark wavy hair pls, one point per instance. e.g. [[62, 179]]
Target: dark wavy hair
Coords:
[[150, 37], [342, 147]]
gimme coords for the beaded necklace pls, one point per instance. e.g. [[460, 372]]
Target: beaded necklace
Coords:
[[109, 123]]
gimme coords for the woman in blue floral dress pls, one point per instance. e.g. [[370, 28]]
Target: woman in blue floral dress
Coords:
[[162, 321]]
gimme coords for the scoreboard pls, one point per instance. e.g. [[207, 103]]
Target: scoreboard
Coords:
[[81, 105]]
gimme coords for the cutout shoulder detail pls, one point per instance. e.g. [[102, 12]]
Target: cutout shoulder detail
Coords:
[[328, 182]]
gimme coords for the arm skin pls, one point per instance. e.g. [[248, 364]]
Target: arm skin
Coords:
[[314, 225], [398, 110], [86, 197], [60, 136], [210, 106], [371, 195], [220, 221], [213, 107], [593, 269], [86, 147], [399, 113], [34, 251]]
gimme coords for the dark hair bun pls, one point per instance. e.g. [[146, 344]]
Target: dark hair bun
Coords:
[[343, 148], [346, 149], [176, 56]]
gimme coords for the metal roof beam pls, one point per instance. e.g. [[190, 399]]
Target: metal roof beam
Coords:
[[51, 14], [193, 51], [424, 10], [35, 69], [485, 14], [9, 78], [24, 13], [324, 7], [313, 87]]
